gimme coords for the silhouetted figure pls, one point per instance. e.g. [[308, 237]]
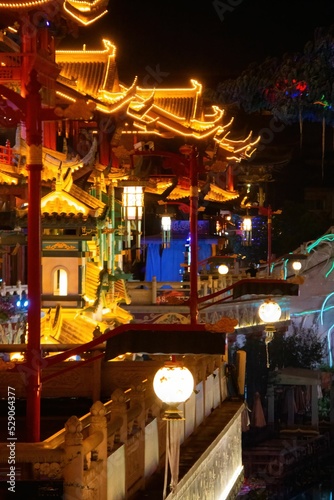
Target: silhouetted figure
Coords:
[[252, 271], [97, 332]]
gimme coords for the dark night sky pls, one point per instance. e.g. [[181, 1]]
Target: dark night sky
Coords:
[[203, 39]]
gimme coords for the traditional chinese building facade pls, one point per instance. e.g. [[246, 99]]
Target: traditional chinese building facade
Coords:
[[97, 134]]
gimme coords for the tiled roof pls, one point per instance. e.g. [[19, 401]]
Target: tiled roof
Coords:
[[92, 280], [88, 71], [217, 194], [88, 76], [77, 330], [87, 199], [182, 102]]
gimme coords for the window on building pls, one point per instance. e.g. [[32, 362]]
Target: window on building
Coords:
[[60, 282]]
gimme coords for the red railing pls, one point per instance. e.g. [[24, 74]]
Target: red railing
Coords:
[[6, 154]]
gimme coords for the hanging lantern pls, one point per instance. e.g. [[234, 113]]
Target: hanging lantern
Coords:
[[133, 207], [166, 224], [246, 228], [269, 313], [133, 202], [173, 384]]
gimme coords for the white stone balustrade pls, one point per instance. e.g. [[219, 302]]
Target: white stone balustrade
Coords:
[[17, 289], [113, 450]]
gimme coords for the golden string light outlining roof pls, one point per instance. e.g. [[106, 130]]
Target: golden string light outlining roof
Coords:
[[238, 149], [217, 194], [161, 111], [84, 12], [91, 72]]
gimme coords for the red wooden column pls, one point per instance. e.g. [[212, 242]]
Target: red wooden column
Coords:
[[269, 225], [229, 178], [193, 235], [34, 166]]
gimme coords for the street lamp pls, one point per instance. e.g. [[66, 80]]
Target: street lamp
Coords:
[[293, 259], [296, 265], [223, 269], [173, 384], [246, 228], [269, 313], [166, 224]]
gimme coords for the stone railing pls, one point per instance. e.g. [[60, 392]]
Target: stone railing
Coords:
[[112, 451], [177, 292], [16, 290], [219, 472], [244, 309], [13, 327]]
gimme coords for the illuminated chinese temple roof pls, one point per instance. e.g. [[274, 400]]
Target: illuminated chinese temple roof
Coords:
[[66, 203], [68, 198], [163, 111], [88, 83], [182, 189], [84, 12], [217, 194], [91, 72], [9, 177]]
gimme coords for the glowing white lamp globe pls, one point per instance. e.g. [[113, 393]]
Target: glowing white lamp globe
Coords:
[[173, 384], [270, 311], [223, 269], [296, 265]]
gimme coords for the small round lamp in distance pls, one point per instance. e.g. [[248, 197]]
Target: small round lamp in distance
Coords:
[[223, 269], [296, 265]]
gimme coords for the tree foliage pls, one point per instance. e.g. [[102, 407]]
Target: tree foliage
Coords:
[[302, 348], [298, 86]]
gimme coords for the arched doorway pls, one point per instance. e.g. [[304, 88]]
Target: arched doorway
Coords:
[[60, 281]]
